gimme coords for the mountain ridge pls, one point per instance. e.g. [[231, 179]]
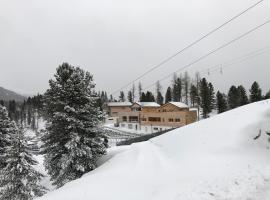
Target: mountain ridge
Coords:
[[8, 95]]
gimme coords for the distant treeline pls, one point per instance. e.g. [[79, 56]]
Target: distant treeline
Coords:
[[196, 92], [25, 113]]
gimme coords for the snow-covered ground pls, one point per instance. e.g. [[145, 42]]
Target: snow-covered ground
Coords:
[[40, 158], [214, 159]]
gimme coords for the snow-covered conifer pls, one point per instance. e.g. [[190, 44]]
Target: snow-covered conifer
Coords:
[[73, 140], [19, 179], [7, 128]]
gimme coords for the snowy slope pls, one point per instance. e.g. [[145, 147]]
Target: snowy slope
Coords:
[[215, 159]]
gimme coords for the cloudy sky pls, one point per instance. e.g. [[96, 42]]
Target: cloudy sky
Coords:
[[118, 40]]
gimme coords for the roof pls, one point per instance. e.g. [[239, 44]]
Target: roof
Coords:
[[179, 104], [148, 104], [119, 104]]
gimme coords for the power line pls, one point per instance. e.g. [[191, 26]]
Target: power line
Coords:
[[187, 47], [212, 52], [237, 60]]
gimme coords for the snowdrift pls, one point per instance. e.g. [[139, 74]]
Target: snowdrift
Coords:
[[216, 158]]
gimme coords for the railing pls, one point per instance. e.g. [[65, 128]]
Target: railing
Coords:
[[142, 138]]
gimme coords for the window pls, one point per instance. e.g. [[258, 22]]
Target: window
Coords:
[[133, 119], [154, 119], [130, 126], [155, 129], [136, 109], [144, 119], [124, 118], [123, 125], [170, 119], [177, 120]]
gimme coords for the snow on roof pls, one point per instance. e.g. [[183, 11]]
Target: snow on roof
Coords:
[[148, 104], [179, 104], [116, 104]]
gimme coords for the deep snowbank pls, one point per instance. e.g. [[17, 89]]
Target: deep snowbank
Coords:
[[216, 158]]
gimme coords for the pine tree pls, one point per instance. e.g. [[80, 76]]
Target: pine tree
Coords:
[[74, 138], [133, 90], [111, 98], [19, 179], [233, 97], [140, 91], [211, 96], [193, 95], [33, 123], [159, 97], [255, 92], [106, 97], [122, 97], [29, 117], [130, 99], [186, 86], [7, 128], [177, 88], [221, 102], [205, 99], [2, 103], [143, 97], [267, 95], [168, 96], [243, 98], [149, 97], [175, 95], [12, 107]]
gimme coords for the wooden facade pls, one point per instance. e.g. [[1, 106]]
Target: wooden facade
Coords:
[[170, 115]]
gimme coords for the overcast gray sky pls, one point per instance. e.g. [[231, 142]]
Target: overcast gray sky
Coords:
[[117, 40]]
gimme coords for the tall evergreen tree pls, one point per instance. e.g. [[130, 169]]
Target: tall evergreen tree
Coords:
[[74, 138], [193, 95], [221, 102], [159, 97], [2, 103], [130, 98], [12, 107], [133, 91], [175, 95], [140, 90], [29, 117], [143, 97], [7, 128], [186, 86], [255, 92], [122, 97], [267, 95], [205, 99], [212, 96], [177, 89], [168, 95], [149, 97], [111, 98], [233, 97], [243, 98], [19, 179]]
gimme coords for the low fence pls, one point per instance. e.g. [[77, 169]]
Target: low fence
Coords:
[[142, 138]]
